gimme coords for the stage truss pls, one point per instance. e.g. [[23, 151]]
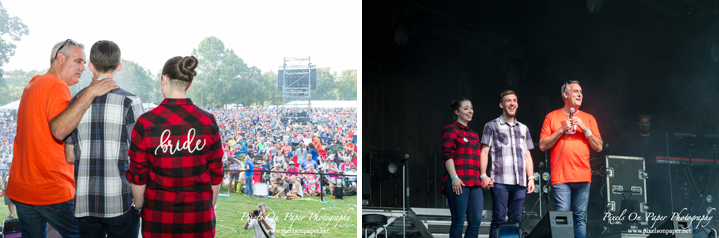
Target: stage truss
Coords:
[[296, 83]]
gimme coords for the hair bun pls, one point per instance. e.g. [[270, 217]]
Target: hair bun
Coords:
[[188, 65]]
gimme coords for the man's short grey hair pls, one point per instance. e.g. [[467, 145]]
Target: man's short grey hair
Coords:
[[565, 86], [65, 49], [263, 206]]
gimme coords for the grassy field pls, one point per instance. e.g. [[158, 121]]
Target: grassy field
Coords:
[[331, 218]]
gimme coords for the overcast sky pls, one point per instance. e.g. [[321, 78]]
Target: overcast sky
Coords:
[[150, 32]]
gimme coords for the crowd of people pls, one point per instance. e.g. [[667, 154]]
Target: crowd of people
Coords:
[[290, 147], [151, 163], [8, 125]]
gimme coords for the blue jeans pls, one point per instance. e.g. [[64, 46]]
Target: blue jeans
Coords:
[[34, 219], [507, 200], [248, 183], [469, 205], [126, 225], [576, 194]]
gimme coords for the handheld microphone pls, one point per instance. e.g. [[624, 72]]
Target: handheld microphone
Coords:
[[571, 112]]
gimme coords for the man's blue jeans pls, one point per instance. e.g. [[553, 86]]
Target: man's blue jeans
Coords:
[[507, 200], [34, 219], [126, 225], [248, 183], [468, 204], [573, 197]]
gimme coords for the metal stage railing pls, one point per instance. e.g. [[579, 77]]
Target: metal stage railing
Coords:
[[294, 173]]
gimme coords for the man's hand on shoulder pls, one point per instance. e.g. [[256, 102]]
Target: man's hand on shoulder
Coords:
[[101, 87]]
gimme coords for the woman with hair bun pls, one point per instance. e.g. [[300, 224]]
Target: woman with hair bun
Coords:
[[176, 160], [461, 184]]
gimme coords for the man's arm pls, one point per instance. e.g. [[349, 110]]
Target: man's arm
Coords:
[[269, 229], [70, 153], [548, 142], [63, 124], [596, 143], [247, 224], [483, 159], [529, 167]]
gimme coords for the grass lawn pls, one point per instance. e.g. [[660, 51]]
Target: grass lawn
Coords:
[[332, 218]]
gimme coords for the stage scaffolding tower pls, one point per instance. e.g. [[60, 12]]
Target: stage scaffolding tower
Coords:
[[296, 79]]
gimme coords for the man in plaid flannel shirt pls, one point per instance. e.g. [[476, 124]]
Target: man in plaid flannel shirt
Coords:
[[508, 142], [99, 148]]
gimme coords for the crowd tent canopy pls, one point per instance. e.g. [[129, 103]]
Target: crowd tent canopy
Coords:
[[322, 104], [148, 106], [13, 106]]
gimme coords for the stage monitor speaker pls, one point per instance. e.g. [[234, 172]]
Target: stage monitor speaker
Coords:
[[510, 230], [682, 229], [554, 224]]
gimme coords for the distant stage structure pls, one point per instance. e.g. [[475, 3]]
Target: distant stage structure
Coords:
[[296, 78]]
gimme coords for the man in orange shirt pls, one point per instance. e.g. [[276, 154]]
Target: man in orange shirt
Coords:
[[41, 183], [570, 134], [349, 146], [318, 144]]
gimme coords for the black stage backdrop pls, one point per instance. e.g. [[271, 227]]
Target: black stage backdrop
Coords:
[[631, 57]]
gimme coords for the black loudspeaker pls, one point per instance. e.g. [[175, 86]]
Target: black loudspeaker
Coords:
[[682, 228], [554, 224], [338, 192], [10, 226]]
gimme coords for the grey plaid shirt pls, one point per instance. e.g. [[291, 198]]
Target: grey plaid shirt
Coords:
[[101, 142], [507, 145]]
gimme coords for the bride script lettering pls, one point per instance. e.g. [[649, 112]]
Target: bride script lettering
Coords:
[[166, 144]]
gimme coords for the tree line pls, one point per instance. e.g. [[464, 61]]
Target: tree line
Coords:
[[222, 78]]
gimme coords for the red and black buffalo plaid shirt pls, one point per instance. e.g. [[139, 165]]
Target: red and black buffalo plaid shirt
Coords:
[[176, 151], [461, 143]]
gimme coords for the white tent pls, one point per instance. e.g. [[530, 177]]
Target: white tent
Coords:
[[148, 106], [13, 106], [323, 104]]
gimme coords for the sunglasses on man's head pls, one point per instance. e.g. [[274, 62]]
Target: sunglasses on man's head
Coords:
[[63, 45]]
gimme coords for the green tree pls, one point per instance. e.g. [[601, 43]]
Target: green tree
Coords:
[[220, 72], [139, 81], [347, 85], [13, 84], [274, 95], [325, 85], [11, 29]]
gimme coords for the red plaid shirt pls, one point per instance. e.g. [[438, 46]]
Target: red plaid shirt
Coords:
[[461, 143], [177, 152]]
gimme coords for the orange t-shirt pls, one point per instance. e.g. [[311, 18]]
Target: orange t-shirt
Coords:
[[40, 174], [573, 166], [318, 144]]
